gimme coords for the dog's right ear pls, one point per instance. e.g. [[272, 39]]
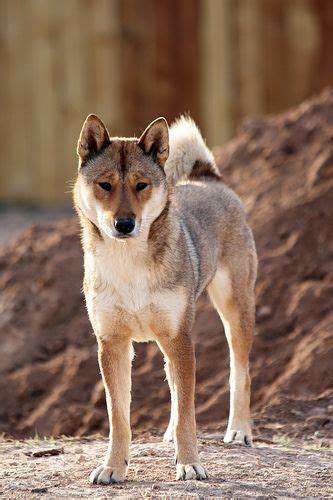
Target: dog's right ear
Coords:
[[93, 137]]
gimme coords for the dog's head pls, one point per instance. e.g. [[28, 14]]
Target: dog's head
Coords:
[[121, 185]]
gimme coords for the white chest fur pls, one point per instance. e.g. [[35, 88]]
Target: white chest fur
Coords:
[[118, 286]]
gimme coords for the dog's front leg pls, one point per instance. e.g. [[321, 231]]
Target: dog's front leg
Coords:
[[169, 433], [179, 353], [115, 357]]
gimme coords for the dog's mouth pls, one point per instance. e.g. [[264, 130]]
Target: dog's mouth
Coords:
[[120, 236]]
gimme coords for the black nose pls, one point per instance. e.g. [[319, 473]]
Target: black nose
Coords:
[[124, 225]]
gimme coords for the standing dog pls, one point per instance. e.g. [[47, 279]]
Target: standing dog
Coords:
[[158, 227]]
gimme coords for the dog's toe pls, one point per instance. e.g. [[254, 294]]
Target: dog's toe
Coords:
[[190, 471], [240, 437], [168, 436], [94, 474], [106, 475]]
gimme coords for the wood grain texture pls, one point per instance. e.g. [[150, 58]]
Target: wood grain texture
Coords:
[[133, 60]]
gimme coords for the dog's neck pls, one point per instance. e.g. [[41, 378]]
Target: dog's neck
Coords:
[[159, 233]]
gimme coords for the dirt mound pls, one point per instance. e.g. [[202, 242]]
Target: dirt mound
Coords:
[[282, 167]]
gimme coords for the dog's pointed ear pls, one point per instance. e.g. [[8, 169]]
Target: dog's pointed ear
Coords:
[[155, 140], [93, 137]]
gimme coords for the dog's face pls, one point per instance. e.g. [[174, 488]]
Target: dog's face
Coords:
[[121, 184]]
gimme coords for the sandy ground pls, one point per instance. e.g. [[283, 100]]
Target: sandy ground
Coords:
[[268, 469]]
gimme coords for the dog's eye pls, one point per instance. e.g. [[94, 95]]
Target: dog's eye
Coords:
[[105, 185], [141, 185]]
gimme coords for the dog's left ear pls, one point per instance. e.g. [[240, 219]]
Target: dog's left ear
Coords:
[[155, 140]]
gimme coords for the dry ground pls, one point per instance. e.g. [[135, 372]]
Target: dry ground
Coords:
[[269, 469]]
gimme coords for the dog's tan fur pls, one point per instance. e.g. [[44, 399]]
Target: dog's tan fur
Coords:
[[190, 234]]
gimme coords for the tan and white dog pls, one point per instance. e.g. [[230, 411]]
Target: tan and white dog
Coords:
[[158, 227]]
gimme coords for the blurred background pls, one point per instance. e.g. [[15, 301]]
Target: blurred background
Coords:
[[133, 60]]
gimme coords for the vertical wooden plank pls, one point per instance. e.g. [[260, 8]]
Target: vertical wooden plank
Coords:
[[251, 57], [324, 68], [41, 101], [159, 60], [58, 146], [303, 40], [137, 78], [218, 70], [105, 40], [74, 75], [17, 181], [5, 124], [32, 129], [176, 57], [275, 51]]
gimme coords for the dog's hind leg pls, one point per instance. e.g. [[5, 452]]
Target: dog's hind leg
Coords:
[[232, 295], [169, 433]]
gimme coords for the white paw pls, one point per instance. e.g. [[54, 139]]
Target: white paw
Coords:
[[234, 436], [108, 475], [190, 471], [168, 435]]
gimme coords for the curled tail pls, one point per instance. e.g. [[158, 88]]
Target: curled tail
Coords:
[[189, 158]]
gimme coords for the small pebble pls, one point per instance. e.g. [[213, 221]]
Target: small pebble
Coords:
[[39, 490], [264, 312]]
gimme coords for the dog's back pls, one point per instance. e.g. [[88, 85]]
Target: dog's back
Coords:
[[212, 216]]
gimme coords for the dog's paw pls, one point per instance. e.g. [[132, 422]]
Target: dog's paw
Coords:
[[108, 475], [240, 437], [168, 435], [190, 471]]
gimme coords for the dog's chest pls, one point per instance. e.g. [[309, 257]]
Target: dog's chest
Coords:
[[120, 278], [119, 295]]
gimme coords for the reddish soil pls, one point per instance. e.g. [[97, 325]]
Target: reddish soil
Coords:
[[282, 167]]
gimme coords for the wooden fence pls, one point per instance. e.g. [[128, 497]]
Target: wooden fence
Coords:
[[132, 60]]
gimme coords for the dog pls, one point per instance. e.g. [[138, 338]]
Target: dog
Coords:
[[159, 226]]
